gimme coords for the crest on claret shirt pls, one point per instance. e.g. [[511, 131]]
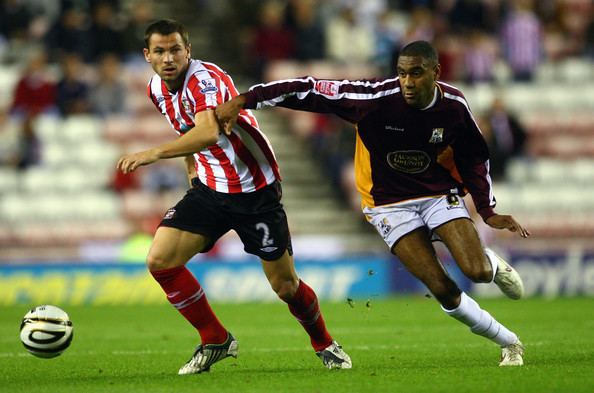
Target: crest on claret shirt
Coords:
[[436, 136]]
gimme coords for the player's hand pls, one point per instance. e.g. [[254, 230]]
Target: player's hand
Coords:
[[130, 162], [501, 221], [228, 111]]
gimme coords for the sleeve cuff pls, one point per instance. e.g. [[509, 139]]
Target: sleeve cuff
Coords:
[[486, 212], [250, 100]]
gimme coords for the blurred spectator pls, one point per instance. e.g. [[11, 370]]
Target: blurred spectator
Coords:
[[421, 26], [589, 37], [141, 14], [272, 40], [165, 175], [304, 19], [121, 182], [521, 40], [44, 15], [135, 247], [108, 94], [505, 136], [9, 131], [470, 15], [72, 90], [388, 39], [35, 92], [14, 19], [29, 145], [479, 58], [348, 41], [70, 34], [105, 33], [332, 141]]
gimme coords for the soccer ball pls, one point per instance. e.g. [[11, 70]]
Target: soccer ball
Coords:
[[46, 331]]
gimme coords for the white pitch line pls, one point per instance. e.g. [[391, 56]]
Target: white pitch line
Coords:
[[270, 350]]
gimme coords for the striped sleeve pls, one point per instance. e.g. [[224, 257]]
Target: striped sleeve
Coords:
[[206, 89], [350, 100], [150, 94]]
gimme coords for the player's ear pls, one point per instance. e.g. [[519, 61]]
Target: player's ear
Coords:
[[146, 52], [189, 48], [437, 71]]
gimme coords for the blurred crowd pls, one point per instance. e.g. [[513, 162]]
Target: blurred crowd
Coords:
[[71, 53], [471, 35]]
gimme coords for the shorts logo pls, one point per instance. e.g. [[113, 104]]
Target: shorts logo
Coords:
[[384, 227], [169, 214], [327, 88], [209, 86], [436, 136], [453, 202], [269, 249], [409, 161]]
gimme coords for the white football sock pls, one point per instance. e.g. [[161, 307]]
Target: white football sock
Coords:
[[493, 263], [481, 322]]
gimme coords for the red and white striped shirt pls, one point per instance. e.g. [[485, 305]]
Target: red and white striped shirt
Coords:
[[241, 162]]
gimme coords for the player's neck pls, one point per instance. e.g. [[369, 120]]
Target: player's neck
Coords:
[[175, 85]]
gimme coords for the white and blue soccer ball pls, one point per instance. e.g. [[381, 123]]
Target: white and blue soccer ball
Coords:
[[46, 331]]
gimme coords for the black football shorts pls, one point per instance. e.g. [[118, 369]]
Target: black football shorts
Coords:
[[258, 218]]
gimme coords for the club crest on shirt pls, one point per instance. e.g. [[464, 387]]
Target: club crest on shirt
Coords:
[[327, 88], [169, 214], [186, 104], [436, 136], [208, 86]]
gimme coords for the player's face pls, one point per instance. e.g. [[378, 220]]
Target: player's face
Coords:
[[417, 80], [169, 57]]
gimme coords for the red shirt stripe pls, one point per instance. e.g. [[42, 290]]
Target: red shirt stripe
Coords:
[[262, 144], [169, 106], [246, 156], [234, 183], [210, 179]]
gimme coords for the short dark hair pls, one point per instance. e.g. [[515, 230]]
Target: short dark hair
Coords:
[[422, 49], [166, 27]]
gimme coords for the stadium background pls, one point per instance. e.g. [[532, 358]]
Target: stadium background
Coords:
[[73, 98]]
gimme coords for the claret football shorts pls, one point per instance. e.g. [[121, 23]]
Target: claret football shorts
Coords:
[[396, 220], [258, 218]]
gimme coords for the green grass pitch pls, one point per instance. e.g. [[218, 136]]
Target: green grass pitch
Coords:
[[403, 344]]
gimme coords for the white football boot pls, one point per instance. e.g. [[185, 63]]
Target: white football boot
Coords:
[[334, 357], [506, 277], [208, 354], [511, 355]]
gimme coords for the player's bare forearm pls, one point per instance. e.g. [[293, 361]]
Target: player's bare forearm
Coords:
[[502, 221], [204, 134], [227, 112]]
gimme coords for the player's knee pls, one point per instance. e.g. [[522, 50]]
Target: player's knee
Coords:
[[285, 289], [156, 261], [446, 292], [479, 274]]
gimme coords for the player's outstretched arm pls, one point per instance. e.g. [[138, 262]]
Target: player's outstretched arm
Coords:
[[204, 134], [502, 221], [228, 111]]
